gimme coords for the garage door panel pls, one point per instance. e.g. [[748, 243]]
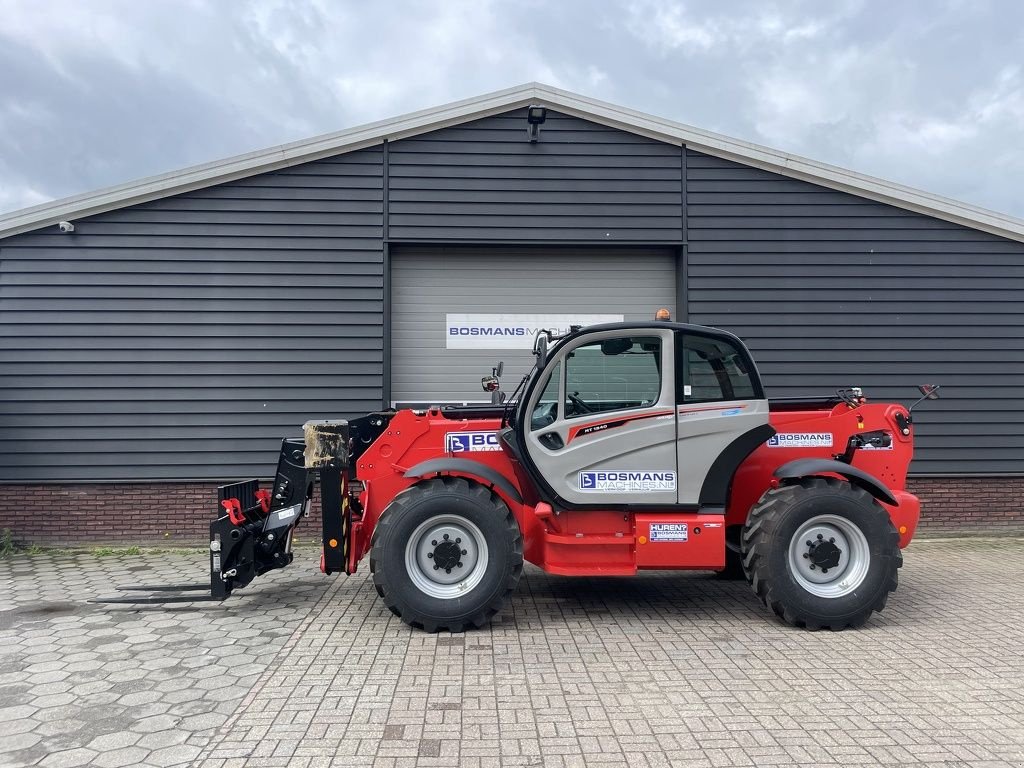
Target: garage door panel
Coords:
[[427, 284]]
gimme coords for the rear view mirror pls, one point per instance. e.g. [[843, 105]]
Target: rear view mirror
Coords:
[[500, 369], [612, 347], [928, 392]]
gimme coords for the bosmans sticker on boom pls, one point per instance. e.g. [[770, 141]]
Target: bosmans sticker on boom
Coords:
[[801, 440]]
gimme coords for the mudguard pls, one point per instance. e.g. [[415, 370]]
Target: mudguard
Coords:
[[805, 467], [467, 467]]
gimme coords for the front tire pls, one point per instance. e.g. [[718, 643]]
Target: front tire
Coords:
[[821, 554], [446, 555]]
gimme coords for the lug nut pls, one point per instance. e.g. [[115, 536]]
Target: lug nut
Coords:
[[812, 566], [464, 552], [458, 541], [820, 537], [436, 567], [433, 543], [806, 555], [447, 570], [431, 554], [824, 570], [459, 565], [809, 543], [832, 540], [446, 537]]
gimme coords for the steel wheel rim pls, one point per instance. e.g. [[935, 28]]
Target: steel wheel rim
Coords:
[[824, 532], [431, 549]]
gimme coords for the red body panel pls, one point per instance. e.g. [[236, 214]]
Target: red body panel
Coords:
[[608, 542]]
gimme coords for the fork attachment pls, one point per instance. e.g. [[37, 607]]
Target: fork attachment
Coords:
[[254, 535]]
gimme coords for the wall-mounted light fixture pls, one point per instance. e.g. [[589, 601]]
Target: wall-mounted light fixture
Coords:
[[535, 117]]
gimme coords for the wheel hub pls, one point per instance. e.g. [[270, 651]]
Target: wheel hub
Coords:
[[829, 556], [824, 553], [447, 554]]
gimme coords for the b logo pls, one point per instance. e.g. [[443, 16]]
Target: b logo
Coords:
[[588, 480], [462, 442]]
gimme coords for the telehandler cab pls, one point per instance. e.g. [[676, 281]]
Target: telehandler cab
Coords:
[[630, 446]]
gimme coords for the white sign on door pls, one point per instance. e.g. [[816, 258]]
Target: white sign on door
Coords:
[[476, 331]]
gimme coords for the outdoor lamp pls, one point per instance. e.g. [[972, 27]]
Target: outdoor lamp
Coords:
[[535, 115]]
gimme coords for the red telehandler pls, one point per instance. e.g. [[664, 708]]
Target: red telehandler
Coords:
[[629, 446]]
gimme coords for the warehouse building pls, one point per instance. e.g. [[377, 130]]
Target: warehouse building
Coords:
[[170, 331]]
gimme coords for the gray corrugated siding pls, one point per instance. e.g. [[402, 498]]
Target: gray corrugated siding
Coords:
[[831, 290], [483, 181], [428, 283], [184, 337]]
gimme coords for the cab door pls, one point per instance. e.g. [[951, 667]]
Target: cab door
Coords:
[[720, 400], [601, 429]]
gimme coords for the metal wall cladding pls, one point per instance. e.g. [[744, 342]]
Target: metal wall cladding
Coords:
[[183, 338], [581, 182], [832, 290]]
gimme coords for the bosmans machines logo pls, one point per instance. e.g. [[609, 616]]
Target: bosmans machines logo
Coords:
[[627, 481], [669, 532], [801, 440], [475, 330], [463, 442]]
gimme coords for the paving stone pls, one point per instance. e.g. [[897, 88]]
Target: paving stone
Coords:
[[664, 669], [180, 754], [116, 758], [17, 741], [68, 758], [117, 740]]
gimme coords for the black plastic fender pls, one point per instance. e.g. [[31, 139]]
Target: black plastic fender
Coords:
[[466, 467], [804, 467], [714, 492]]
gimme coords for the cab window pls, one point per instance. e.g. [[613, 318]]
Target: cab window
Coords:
[[612, 375], [546, 410], [713, 369]]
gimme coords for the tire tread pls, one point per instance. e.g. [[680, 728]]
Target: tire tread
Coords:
[[758, 538], [447, 485]]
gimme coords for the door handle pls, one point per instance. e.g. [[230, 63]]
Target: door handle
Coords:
[[551, 440]]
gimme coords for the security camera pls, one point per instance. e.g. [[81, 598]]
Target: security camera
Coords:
[[66, 226]]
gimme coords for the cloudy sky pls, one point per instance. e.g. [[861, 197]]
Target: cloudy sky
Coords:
[[94, 93]]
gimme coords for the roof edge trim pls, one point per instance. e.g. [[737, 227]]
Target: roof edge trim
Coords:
[[436, 118]]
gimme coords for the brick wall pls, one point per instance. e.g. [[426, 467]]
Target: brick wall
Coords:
[[153, 514], [970, 505], [178, 513]]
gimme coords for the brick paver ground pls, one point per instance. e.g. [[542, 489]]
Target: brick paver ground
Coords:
[[661, 670]]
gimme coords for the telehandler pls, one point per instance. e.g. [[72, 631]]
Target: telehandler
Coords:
[[629, 446]]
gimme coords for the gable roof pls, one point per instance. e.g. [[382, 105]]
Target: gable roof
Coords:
[[424, 121]]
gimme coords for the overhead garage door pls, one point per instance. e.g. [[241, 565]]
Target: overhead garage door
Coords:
[[430, 287]]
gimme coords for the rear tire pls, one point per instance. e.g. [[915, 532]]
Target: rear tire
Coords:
[[446, 555], [821, 554]]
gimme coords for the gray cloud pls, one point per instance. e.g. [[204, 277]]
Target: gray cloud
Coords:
[[927, 94]]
